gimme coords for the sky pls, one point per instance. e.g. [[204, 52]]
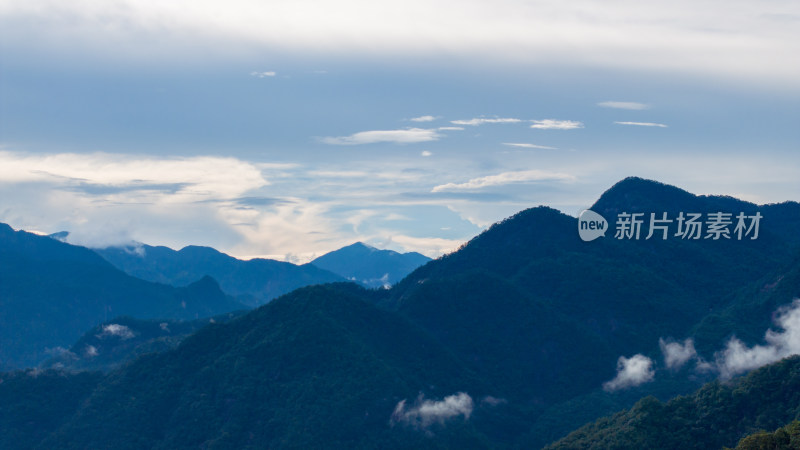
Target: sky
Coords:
[[289, 129]]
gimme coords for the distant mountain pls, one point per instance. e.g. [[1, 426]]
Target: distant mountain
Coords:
[[52, 292], [717, 415], [369, 266], [505, 343], [253, 282], [118, 341]]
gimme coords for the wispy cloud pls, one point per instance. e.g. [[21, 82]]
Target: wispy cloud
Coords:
[[642, 124], [677, 354], [426, 153], [525, 145], [263, 74], [425, 413], [424, 119], [117, 330], [633, 371], [451, 128], [505, 178], [484, 120], [552, 124], [425, 245], [624, 105], [405, 136], [737, 358]]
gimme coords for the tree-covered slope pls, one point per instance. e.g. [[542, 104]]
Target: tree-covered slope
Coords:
[[546, 315], [319, 368], [718, 415]]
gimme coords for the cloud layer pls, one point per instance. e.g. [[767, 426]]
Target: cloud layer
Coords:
[[642, 124], [483, 120], [521, 176], [635, 106], [407, 136], [734, 38], [552, 124]]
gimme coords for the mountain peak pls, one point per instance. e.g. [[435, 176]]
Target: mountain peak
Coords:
[[370, 266], [360, 246], [635, 194]]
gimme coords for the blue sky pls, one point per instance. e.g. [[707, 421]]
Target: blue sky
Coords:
[[289, 129]]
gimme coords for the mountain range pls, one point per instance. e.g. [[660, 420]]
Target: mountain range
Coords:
[[521, 336], [253, 282], [52, 292]]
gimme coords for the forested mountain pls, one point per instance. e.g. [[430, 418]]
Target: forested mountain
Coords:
[[718, 415], [317, 368], [369, 266], [513, 340], [52, 292], [120, 340], [253, 282]]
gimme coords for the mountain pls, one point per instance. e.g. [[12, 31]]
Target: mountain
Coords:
[[118, 341], [546, 316], [316, 368], [717, 415], [369, 266], [253, 282], [52, 292], [509, 342]]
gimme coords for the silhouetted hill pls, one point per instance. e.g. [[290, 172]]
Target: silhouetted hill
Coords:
[[52, 292], [369, 266], [254, 282]]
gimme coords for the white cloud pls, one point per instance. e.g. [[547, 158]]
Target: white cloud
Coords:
[[263, 74], [431, 247], [642, 124], [677, 354], [425, 413], [424, 119], [195, 178], [552, 124], [482, 120], [738, 358], [505, 178], [406, 136], [624, 105], [102, 198], [451, 128], [633, 371], [525, 145], [426, 153], [90, 351], [115, 329]]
